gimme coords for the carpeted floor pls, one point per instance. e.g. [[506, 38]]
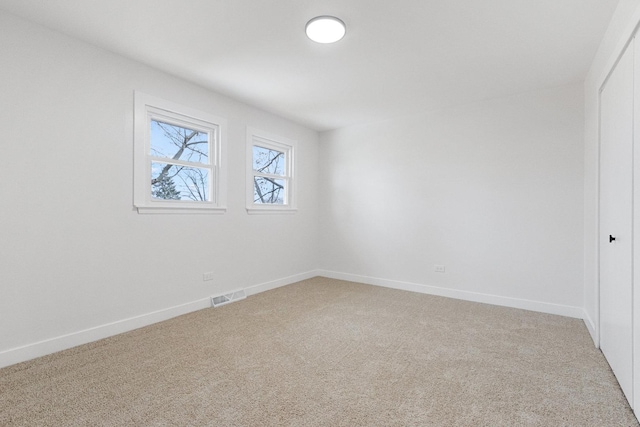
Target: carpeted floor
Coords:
[[324, 352]]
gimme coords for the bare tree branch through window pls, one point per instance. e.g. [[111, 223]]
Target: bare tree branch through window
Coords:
[[170, 181]]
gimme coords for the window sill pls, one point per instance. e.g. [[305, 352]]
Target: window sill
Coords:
[[188, 210], [271, 210]]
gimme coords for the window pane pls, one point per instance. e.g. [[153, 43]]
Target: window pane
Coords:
[[175, 182], [268, 161], [268, 191], [175, 142]]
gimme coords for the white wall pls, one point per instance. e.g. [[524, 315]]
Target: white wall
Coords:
[[74, 255], [491, 190], [620, 29]]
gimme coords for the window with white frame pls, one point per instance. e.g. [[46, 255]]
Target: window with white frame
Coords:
[[270, 179], [177, 155]]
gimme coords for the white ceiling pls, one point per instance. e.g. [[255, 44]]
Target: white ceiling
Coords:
[[398, 57]]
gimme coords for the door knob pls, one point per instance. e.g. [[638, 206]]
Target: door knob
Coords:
[[611, 238]]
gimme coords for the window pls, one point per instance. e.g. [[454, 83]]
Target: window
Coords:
[[270, 181], [177, 155]]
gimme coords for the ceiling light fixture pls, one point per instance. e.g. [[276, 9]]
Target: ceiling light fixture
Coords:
[[325, 29]]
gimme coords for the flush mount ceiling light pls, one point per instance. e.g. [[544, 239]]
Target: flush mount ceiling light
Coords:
[[325, 29]]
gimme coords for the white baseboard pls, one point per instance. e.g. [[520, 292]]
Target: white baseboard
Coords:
[[542, 307], [591, 327], [52, 345], [267, 286]]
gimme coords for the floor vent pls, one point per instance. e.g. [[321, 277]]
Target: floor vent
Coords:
[[227, 298]]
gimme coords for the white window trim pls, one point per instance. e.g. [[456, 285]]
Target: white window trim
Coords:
[[287, 146], [147, 107]]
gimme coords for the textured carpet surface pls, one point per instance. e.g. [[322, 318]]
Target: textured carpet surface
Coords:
[[324, 352]]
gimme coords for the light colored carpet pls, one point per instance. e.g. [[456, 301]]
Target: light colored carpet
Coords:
[[324, 352]]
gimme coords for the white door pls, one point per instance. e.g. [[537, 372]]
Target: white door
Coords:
[[616, 217]]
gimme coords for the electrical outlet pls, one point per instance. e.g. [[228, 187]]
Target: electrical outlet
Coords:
[[439, 268], [207, 276]]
